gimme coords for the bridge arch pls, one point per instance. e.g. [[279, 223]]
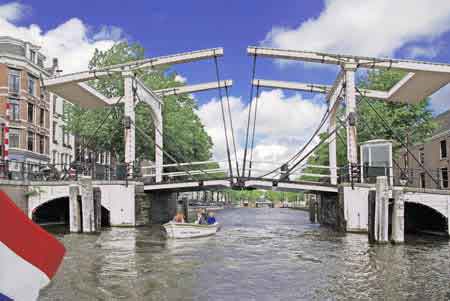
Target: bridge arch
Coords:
[[55, 211], [421, 217]]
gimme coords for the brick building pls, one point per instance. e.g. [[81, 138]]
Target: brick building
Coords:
[[24, 105], [434, 154]]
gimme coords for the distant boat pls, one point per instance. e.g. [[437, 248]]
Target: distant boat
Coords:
[[189, 230]]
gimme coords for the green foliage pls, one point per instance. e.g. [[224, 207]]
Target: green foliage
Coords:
[[185, 137], [411, 123], [254, 195]]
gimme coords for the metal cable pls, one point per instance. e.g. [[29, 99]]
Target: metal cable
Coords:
[[249, 114], [253, 131], [159, 132], [232, 130], [223, 116], [297, 155]]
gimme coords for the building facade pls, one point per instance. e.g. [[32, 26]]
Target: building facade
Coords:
[[24, 105], [62, 147], [433, 154]]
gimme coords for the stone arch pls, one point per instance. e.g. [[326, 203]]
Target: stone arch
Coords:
[[43, 194], [420, 217], [54, 211]]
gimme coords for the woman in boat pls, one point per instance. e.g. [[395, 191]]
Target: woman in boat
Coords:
[[211, 219], [179, 218]]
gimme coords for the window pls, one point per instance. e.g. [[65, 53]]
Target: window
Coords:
[[55, 99], [31, 85], [14, 138], [63, 136], [443, 149], [422, 180], [40, 61], [30, 113], [33, 56], [422, 156], [405, 160], [444, 177], [54, 157], [55, 126], [14, 81], [46, 145], [30, 141], [41, 144], [41, 117], [14, 110]]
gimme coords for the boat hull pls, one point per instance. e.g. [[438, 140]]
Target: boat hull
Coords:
[[178, 230]]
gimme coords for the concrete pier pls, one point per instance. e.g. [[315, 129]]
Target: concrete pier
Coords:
[[74, 209], [382, 210], [398, 217], [87, 205]]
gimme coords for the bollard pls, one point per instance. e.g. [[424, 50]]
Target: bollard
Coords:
[[87, 201], [97, 194], [74, 209], [398, 217], [382, 210]]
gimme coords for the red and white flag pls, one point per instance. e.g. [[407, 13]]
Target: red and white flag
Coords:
[[29, 256]]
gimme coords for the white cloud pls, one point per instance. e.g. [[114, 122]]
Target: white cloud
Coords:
[[71, 42], [180, 79], [363, 27], [12, 11], [284, 123]]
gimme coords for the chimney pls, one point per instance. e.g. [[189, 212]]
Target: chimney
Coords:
[[55, 67]]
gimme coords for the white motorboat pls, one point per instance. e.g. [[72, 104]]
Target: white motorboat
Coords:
[[189, 230]]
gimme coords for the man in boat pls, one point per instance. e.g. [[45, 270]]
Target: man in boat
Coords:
[[179, 218], [201, 217], [211, 219]]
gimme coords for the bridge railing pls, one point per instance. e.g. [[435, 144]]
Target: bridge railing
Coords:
[[178, 172], [407, 177], [31, 171]]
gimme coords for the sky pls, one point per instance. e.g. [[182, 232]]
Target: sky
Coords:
[[71, 30]]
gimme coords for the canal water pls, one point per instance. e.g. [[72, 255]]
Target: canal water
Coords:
[[260, 254]]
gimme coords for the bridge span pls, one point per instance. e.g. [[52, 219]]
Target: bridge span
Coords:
[[242, 183]]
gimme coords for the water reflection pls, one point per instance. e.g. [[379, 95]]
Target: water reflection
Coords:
[[260, 254]]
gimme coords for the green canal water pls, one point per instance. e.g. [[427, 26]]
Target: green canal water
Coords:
[[259, 254]]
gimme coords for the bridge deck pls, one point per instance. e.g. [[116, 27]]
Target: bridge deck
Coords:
[[248, 183]]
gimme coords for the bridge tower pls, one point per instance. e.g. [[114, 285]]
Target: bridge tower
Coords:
[[73, 88]]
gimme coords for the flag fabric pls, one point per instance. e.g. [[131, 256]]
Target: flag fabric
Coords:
[[29, 256]]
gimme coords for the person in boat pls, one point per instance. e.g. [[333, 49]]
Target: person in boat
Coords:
[[202, 217], [179, 218], [211, 219]]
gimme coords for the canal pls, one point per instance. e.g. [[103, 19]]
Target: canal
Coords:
[[260, 254]]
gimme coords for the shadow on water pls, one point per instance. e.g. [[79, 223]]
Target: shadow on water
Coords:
[[259, 254]]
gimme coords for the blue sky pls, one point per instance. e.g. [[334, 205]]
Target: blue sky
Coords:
[[71, 30]]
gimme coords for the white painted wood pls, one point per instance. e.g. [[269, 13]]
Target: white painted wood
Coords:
[[350, 101], [316, 88], [134, 65], [336, 59], [129, 112], [424, 78], [194, 88]]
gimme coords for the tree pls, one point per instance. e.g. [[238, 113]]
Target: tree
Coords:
[[184, 135], [411, 123]]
